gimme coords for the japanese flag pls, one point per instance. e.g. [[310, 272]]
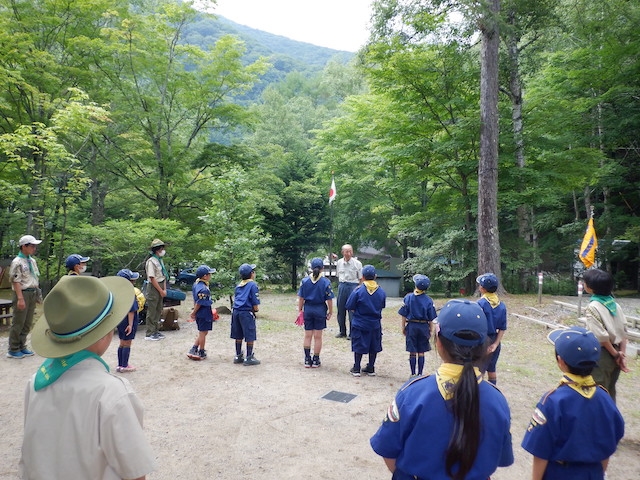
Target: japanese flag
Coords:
[[332, 190]]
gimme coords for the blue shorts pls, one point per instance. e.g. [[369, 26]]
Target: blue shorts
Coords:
[[123, 325], [417, 337], [492, 361], [315, 317], [204, 324], [243, 325], [365, 341]]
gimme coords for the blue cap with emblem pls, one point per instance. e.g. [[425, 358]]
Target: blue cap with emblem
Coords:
[[463, 322], [75, 259], [577, 346], [246, 269], [204, 270], [369, 272], [422, 281]]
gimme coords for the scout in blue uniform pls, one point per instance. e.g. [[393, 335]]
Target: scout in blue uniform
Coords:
[[315, 300], [128, 327], [451, 425], [201, 313], [246, 301], [575, 427], [417, 313], [366, 302], [496, 313], [76, 264]]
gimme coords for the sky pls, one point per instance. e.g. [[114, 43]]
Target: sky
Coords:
[[337, 24]]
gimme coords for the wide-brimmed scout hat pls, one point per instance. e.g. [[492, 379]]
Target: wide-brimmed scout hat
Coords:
[[78, 312], [156, 243]]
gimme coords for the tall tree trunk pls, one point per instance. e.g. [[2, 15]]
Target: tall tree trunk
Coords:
[[488, 235]]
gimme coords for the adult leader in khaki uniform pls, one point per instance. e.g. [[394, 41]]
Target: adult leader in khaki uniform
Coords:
[[24, 275], [157, 276]]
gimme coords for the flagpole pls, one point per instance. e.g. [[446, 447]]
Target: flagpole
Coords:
[[331, 232]]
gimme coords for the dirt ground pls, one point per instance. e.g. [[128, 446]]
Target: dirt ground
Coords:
[[216, 420]]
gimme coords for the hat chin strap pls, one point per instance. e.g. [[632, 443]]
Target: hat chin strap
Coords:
[[79, 333]]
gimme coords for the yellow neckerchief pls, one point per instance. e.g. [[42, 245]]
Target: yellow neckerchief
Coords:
[[203, 281], [418, 292], [447, 376], [492, 298], [244, 282], [316, 279], [371, 285], [585, 386]]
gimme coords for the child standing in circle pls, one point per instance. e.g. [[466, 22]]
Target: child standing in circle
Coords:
[[452, 424], [367, 302], [128, 327], [76, 264], [417, 313], [575, 427], [201, 313], [315, 300], [246, 301], [496, 313]]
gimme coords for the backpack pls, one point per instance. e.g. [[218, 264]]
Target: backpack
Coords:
[[169, 319]]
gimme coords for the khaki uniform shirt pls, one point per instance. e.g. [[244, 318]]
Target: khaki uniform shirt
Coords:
[[85, 425], [154, 269], [606, 326], [20, 272]]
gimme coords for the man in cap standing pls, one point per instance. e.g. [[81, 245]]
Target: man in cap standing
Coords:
[[157, 276], [24, 275]]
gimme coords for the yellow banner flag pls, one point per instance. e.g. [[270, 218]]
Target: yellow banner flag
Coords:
[[589, 245]]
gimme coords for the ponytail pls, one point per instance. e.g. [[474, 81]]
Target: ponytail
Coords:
[[316, 274], [465, 406]]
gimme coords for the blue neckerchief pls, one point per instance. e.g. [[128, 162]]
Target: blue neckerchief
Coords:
[[606, 300], [53, 368]]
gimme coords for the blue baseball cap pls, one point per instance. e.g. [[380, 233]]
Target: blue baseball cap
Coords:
[[487, 281], [369, 272], [203, 270], [577, 346], [458, 317], [128, 274], [422, 281], [75, 259], [246, 269], [317, 263]]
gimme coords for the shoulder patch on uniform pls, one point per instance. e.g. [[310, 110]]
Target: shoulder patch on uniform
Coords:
[[393, 414], [537, 419]]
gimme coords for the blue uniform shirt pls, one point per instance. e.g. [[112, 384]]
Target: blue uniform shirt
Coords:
[[418, 307], [202, 296], [315, 293], [496, 316], [367, 307], [418, 426], [577, 431], [246, 295]]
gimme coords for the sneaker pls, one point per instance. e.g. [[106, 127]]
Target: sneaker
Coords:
[[251, 360], [238, 359], [160, 335], [355, 371], [128, 368], [316, 362], [202, 354], [341, 335], [369, 370], [154, 337], [307, 362], [26, 352], [17, 355]]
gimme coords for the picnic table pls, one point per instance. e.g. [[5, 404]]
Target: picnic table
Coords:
[[5, 311]]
